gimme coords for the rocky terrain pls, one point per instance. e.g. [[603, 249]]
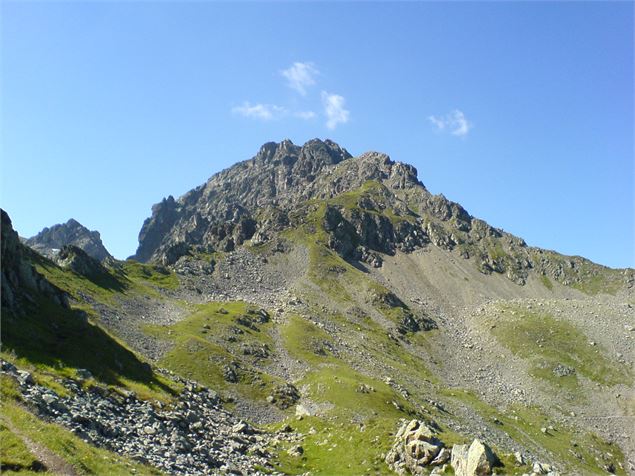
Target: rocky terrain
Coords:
[[354, 322], [50, 241]]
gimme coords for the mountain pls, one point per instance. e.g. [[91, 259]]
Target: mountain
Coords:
[[386, 208], [49, 241], [307, 311]]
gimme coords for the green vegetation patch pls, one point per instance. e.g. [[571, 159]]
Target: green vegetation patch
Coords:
[[304, 340], [546, 282], [339, 448], [558, 351], [219, 335], [147, 274], [119, 279], [355, 426]]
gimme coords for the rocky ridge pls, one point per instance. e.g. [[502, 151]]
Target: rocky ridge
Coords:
[[374, 206], [50, 241]]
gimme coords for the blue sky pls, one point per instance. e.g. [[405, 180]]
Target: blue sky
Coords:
[[521, 112]]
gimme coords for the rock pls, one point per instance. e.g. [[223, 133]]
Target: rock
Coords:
[[542, 468], [286, 395], [19, 280], [562, 370], [48, 399], [230, 372], [25, 378], [50, 241], [83, 374], [301, 411], [242, 427], [476, 460], [296, 451], [520, 459], [415, 447], [442, 458]]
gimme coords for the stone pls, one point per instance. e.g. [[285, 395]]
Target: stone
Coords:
[[476, 459], [83, 374], [415, 447], [25, 378], [296, 451], [48, 398], [562, 370], [301, 411], [542, 468]]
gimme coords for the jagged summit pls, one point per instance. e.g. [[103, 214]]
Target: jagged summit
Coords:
[[221, 213], [49, 241]]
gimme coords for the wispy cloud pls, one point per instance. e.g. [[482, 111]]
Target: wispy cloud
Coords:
[[306, 115], [334, 109], [455, 122], [264, 112], [300, 76]]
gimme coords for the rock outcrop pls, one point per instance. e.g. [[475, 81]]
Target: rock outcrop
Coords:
[[51, 240], [416, 448], [20, 280], [76, 259], [477, 459]]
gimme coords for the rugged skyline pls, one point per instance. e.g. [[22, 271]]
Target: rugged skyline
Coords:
[[524, 116]]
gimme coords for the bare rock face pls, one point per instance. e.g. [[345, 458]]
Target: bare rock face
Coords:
[[415, 449], [19, 278], [254, 199], [373, 207], [76, 259], [49, 241], [476, 459]]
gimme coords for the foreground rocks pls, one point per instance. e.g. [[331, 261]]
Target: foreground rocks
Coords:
[[192, 435], [418, 451], [416, 448], [477, 459]]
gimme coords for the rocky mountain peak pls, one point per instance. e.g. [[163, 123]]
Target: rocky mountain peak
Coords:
[[222, 213], [49, 241]]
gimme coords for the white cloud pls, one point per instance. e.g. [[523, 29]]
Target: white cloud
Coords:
[[334, 110], [455, 122], [306, 115], [300, 76], [265, 112]]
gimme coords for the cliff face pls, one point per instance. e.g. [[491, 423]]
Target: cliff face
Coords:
[[372, 206], [19, 278], [49, 241]]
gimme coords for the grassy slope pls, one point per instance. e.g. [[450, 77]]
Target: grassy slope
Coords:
[[547, 342], [202, 348], [343, 450]]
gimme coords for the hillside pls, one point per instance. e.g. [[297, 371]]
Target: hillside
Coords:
[[324, 299]]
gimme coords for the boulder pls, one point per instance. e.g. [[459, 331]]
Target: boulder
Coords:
[[477, 459], [415, 447]]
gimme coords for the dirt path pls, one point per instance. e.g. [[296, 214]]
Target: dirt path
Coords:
[[53, 463]]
